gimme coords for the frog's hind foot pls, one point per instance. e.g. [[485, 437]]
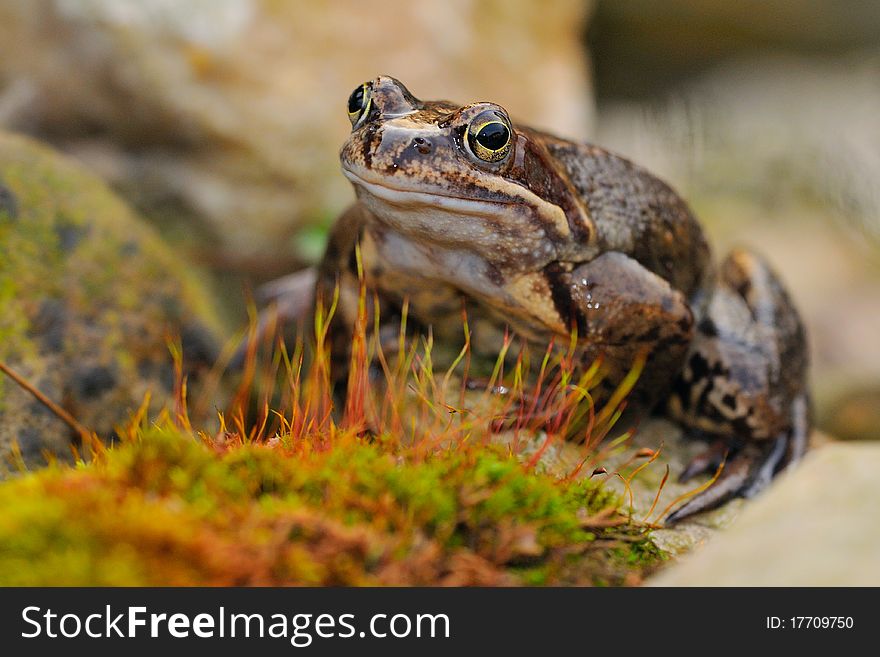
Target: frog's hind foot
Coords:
[[745, 474], [748, 469], [707, 461]]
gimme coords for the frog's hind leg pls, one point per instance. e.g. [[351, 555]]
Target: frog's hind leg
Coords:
[[744, 383]]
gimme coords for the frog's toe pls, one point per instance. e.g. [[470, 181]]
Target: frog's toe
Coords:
[[732, 479], [765, 467], [745, 475], [800, 430], [706, 461]]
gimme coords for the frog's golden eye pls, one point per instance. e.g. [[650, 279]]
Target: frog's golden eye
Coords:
[[488, 136], [359, 104]]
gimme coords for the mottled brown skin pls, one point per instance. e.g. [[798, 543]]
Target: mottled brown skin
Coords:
[[557, 236]]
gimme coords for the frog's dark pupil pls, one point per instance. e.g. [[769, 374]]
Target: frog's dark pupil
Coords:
[[356, 100], [493, 136]]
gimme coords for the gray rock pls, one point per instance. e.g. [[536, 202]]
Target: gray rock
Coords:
[[817, 526], [84, 317], [642, 488]]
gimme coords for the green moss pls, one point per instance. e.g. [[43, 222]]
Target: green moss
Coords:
[[640, 554], [166, 509]]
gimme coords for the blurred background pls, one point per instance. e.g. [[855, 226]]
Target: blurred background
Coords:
[[220, 121]]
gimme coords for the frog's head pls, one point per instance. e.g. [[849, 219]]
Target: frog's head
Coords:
[[462, 176]]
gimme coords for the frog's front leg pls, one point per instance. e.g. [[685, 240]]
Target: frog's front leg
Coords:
[[292, 298], [745, 381], [622, 310], [339, 287]]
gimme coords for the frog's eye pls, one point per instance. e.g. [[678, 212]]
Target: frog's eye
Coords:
[[488, 136], [359, 104]]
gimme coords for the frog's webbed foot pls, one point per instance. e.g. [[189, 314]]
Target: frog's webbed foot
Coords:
[[744, 475], [293, 295], [747, 470], [707, 461]]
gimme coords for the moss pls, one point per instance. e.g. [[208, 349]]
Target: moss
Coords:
[[640, 554], [166, 509]]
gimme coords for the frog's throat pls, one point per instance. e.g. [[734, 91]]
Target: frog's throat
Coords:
[[548, 212]]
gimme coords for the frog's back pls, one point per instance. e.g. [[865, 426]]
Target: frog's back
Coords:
[[636, 213]]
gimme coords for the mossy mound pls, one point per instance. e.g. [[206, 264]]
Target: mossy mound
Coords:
[[89, 296], [168, 509]]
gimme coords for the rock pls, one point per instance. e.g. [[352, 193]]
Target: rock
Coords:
[[235, 110], [676, 451], [854, 414], [816, 527], [643, 46], [88, 296]]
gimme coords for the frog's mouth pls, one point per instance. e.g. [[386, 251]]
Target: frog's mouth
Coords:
[[408, 198]]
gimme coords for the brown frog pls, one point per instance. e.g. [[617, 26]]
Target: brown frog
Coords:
[[459, 206]]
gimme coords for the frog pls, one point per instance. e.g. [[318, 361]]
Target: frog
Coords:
[[459, 208]]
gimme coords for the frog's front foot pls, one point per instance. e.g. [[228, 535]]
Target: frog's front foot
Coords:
[[285, 300]]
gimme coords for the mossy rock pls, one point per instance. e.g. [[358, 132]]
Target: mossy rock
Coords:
[[163, 508], [89, 296]]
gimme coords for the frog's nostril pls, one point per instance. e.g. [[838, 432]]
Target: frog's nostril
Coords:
[[422, 145]]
